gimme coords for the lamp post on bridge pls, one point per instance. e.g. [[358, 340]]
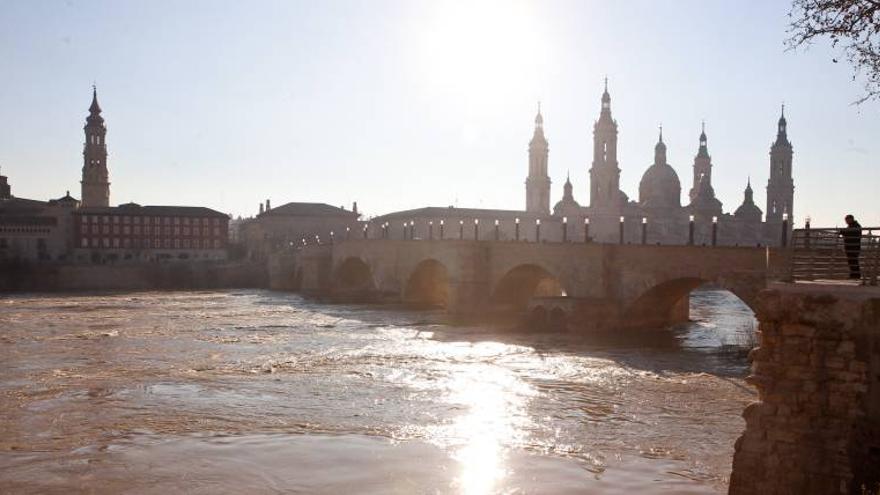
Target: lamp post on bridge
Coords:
[[691, 231], [586, 230], [441, 229], [714, 231], [347, 233], [332, 238], [476, 229], [517, 228], [644, 230], [807, 232], [365, 231], [430, 230], [622, 219], [496, 230], [537, 230], [461, 229], [564, 229]]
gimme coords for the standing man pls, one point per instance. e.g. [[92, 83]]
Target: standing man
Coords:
[[852, 245]]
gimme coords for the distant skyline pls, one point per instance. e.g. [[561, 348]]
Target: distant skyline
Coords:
[[404, 104]]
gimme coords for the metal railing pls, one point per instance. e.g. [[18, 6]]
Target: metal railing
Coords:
[[836, 254]]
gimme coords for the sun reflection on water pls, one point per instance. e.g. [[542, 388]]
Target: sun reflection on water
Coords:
[[494, 420]]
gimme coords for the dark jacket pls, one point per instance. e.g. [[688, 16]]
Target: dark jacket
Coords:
[[852, 237]]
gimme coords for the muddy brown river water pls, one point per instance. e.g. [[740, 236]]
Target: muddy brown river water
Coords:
[[262, 392]]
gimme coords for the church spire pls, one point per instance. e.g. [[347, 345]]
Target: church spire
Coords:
[[606, 100], [782, 128], [538, 181], [604, 173], [94, 108], [95, 183], [703, 151], [660, 149], [780, 185]]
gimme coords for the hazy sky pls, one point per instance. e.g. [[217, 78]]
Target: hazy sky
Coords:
[[402, 104]]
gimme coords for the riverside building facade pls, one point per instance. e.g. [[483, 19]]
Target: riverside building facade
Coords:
[[92, 231]]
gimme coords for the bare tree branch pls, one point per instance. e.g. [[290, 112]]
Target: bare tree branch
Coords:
[[852, 25]]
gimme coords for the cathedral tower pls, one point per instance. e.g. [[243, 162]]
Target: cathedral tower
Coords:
[[780, 186], [702, 195], [605, 174], [95, 184], [538, 182], [702, 167]]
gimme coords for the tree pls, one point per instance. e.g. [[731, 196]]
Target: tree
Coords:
[[852, 25]]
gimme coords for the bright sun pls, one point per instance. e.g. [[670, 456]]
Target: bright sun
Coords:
[[482, 50]]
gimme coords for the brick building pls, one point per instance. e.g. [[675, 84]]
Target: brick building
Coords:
[[150, 233]]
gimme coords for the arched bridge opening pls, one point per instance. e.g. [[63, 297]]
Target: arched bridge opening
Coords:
[[519, 285], [669, 303], [428, 285], [530, 295], [353, 280]]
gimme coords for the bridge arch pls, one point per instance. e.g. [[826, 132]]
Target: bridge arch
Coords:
[[523, 282], [428, 284], [668, 302], [353, 275]]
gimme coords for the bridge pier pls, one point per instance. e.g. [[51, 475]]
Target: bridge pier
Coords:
[[816, 426]]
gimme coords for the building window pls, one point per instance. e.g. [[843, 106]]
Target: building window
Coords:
[[176, 230], [116, 242], [126, 243], [126, 230], [176, 221], [84, 242], [216, 243], [167, 243], [116, 229], [94, 229], [147, 243], [115, 219], [105, 229], [85, 219], [137, 220], [105, 241]]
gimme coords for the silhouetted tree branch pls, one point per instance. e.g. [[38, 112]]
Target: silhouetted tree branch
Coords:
[[853, 25]]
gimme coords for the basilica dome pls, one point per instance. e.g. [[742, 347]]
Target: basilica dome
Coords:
[[660, 187]]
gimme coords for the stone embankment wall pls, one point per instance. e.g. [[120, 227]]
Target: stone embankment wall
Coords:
[[816, 427], [135, 276]]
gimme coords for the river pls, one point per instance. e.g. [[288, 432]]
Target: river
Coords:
[[264, 392]]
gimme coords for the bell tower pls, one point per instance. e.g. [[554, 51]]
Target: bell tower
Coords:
[[605, 174], [95, 183], [780, 186], [538, 182]]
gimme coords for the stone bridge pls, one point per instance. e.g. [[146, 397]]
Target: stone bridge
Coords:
[[567, 284]]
